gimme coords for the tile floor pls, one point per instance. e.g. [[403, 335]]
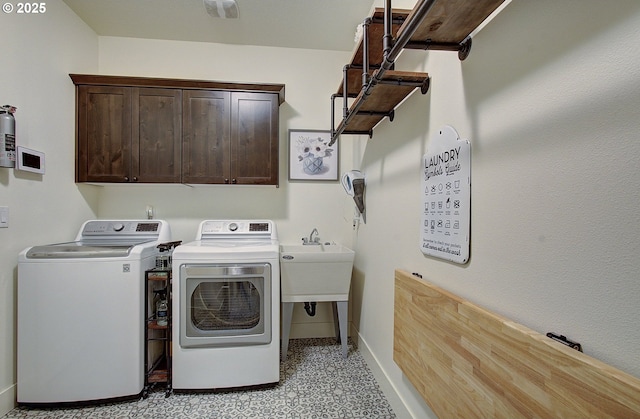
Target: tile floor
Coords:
[[315, 382]]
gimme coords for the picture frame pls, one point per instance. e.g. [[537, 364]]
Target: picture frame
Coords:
[[310, 157]]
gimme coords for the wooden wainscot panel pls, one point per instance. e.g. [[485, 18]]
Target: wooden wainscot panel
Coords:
[[467, 362]]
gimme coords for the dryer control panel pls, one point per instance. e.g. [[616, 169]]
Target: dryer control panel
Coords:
[[219, 229]]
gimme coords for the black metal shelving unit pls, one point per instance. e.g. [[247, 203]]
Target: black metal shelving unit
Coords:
[[157, 366]]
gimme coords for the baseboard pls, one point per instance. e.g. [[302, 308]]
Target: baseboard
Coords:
[[381, 377], [7, 400]]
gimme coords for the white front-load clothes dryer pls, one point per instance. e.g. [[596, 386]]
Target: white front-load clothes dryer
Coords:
[[81, 313], [226, 306]]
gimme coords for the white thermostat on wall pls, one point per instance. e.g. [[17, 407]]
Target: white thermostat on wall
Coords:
[[30, 160]]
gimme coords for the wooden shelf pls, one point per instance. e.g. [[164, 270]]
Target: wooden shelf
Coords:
[[158, 275], [158, 376], [153, 325], [383, 100], [376, 33], [449, 23], [432, 24]]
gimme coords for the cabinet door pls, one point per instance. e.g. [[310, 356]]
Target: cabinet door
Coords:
[[254, 138], [205, 138], [156, 135], [103, 134]]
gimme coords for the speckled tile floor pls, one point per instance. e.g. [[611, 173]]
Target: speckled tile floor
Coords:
[[315, 382]]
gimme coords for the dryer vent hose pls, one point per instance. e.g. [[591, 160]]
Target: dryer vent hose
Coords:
[[310, 308]]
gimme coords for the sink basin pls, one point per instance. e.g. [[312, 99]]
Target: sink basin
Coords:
[[315, 272]]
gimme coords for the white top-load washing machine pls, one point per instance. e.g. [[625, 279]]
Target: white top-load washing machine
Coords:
[[81, 313], [226, 306]]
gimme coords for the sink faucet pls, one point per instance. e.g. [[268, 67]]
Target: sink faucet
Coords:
[[311, 239]]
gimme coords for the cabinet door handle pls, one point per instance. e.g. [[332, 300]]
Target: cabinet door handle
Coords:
[[226, 181], [234, 181], [126, 178], [135, 178]]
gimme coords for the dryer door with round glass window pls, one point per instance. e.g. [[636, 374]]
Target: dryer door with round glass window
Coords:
[[225, 304]]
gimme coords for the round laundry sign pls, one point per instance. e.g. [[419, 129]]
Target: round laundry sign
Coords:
[[446, 196]]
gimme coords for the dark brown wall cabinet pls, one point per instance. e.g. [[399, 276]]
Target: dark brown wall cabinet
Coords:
[[230, 137], [176, 131]]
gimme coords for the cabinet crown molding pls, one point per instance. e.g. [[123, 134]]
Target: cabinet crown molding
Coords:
[[128, 81]]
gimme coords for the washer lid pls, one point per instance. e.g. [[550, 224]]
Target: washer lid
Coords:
[[82, 249]]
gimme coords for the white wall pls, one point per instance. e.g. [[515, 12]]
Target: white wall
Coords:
[[38, 52], [549, 99]]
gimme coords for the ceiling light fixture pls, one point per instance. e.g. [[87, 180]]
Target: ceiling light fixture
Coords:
[[226, 9]]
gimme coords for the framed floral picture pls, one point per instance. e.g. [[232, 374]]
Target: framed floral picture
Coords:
[[310, 157]]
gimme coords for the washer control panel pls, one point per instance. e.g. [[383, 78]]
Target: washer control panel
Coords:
[[124, 228]]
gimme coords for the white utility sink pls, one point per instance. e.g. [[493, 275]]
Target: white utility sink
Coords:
[[315, 272], [319, 272]]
